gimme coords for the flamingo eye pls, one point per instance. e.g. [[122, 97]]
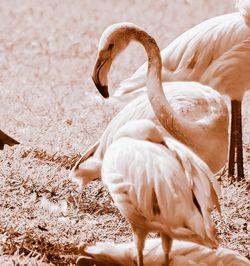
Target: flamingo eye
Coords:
[[110, 47]]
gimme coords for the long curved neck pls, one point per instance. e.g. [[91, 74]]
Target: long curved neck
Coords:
[[178, 127]]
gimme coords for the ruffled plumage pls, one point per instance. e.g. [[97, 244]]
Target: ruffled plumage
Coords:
[[190, 54], [161, 187], [197, 103], [182, 254]]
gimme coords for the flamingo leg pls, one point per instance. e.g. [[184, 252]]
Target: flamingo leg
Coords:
[[139, 239], [166, 245], [239, 146], [236, 147], [231, 159]]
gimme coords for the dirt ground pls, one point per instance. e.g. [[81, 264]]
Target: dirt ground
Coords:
[[49, 103]]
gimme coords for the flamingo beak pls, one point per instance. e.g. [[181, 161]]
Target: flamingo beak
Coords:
[[6, 140], [103, 90], [99, 75]]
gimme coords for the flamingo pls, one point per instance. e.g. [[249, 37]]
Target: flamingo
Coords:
[[5, 139], [221, 74], [160, 185], [152, 178], [191, 54], [194, 114], [202, 106], [182, 253]]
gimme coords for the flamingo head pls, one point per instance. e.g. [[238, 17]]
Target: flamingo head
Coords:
[[112, 42]]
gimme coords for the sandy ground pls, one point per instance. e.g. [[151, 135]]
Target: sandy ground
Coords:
[[49, 103]]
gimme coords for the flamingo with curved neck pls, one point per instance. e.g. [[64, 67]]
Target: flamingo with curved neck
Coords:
[[193, 113], [192, 55], [195, 135]]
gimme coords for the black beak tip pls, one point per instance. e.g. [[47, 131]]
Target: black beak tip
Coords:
[[104, 91]]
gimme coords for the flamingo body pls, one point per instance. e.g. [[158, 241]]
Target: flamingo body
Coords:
[[159, 185], [183, 253], [190, 54], [199, 104], [231, 73]]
